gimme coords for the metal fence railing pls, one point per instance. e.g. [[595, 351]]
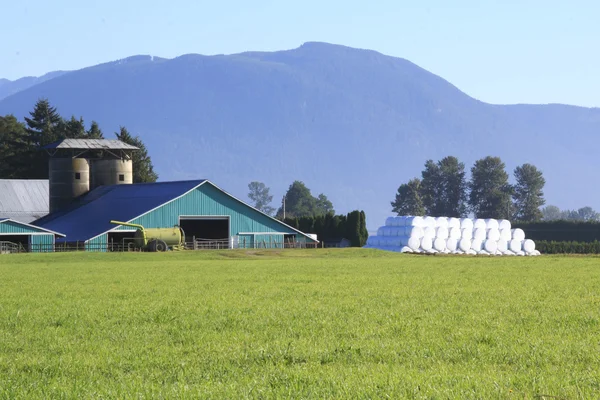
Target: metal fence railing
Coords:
[[125, 246]]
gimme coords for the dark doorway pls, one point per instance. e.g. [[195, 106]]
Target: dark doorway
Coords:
[[120, 241], [205, 228], [20, 240]]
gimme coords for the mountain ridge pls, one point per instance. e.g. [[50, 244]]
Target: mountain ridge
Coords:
[[307, 112]]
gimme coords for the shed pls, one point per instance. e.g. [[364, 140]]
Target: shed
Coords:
[[24, 200], [16, 236], [205, 212], [336, 242]]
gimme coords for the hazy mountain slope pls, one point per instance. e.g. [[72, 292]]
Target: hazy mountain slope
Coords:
[[8, 88], [351, 123]]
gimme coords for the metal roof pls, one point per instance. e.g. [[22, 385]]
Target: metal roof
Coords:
[[90, 144], [2, 220], [24, 200], [90, 215]]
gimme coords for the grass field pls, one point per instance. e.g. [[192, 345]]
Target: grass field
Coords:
[[298, 324]]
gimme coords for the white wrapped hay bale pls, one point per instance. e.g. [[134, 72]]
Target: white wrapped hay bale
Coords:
[[455, 233], [442, 233], [411, 242], [439, 244], [502, 246], [399, 221], [471, 252], [521, 253], [452, 244], [528, 246], [518, 234], [441, 222], [483, 253], [414, 231], [536, 253], [515, 245], [426, 243], [429, 232], [476, 245], [493, 234], [380, 231], [504, 224], [466, 223], [506, 234], [390, 221], [492, 223], [467, 234], [479, 223], [414, 221], [453, 223], [491, 246], [479, 234], [429, 221], [406, 250], [464, 245]]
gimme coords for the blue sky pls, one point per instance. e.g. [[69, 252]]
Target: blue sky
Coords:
[[499, 51]]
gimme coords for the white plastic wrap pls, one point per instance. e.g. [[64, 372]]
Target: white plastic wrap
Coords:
[[528, 246], [429, 222], [492, 224], [414, 221], [453, 223], [442, 233], [390, 221], [502, 245], [479, 223], [466, 223], [441, 222], [414, 231], [493, 234], [452, 244], [476, 245], [455, 233], [518, 234], [504, 224], [466, 234], [505, 234], [429, 232], [479, 234], [426, 243], [439, 244], [464, 245], [491, 246], [515, 245]]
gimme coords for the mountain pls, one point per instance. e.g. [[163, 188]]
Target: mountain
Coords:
[[8, 88], [351, 123]]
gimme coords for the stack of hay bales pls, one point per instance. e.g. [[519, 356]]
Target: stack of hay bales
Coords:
[[415, 234]]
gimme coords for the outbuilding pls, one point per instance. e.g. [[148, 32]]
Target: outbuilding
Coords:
[[207, 215], [16, 236]]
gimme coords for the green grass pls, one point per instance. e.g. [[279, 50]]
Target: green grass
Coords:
[[298, 324]]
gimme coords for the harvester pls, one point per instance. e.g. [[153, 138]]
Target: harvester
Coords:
[[156, 239]]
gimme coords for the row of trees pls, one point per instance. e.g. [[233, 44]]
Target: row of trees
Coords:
[[443, 189], [352, 226], [553, 213], [299, 202], [21, 156]]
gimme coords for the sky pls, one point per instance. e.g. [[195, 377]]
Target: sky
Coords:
[[499, 51]]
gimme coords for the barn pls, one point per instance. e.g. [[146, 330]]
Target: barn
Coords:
[[24, 200], [206, 213], [17, 236]]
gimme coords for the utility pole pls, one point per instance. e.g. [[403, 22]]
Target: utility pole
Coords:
[[283, 202]]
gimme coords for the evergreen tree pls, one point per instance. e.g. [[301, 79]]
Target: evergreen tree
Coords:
[[143, 170], [431, 187], [364, 233], [261, 199], [452, 190], [299, 202], [94, 132], [528, 193], [43, 127], [408, 199], [490, 195], [13, 137], [72, 129]]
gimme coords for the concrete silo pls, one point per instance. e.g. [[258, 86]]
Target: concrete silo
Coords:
[[78, 165]]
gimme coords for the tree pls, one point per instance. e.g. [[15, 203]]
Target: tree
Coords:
[[528, 193], [72, 129], [431, 187], [551, 213], [143, 170], [94, 132], [12, 146], [588, 214], [490, 193], [298, 201], [408, 199], [324, 206], [261, 199], [444, 187], [453, 188]]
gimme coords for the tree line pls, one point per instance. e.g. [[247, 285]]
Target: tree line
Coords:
[[21, 156], [443, 189], [352, 226], [299, 201]]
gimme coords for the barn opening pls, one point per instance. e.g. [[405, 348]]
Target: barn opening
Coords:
[[205, 229], [121, 240], [22, 241]]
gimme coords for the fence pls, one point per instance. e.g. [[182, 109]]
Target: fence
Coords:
[[126, 245]]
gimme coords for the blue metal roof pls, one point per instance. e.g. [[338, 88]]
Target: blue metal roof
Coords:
[[90, 215]]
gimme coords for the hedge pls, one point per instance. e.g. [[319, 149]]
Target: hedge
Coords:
[[554, 247], [561, 231]]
